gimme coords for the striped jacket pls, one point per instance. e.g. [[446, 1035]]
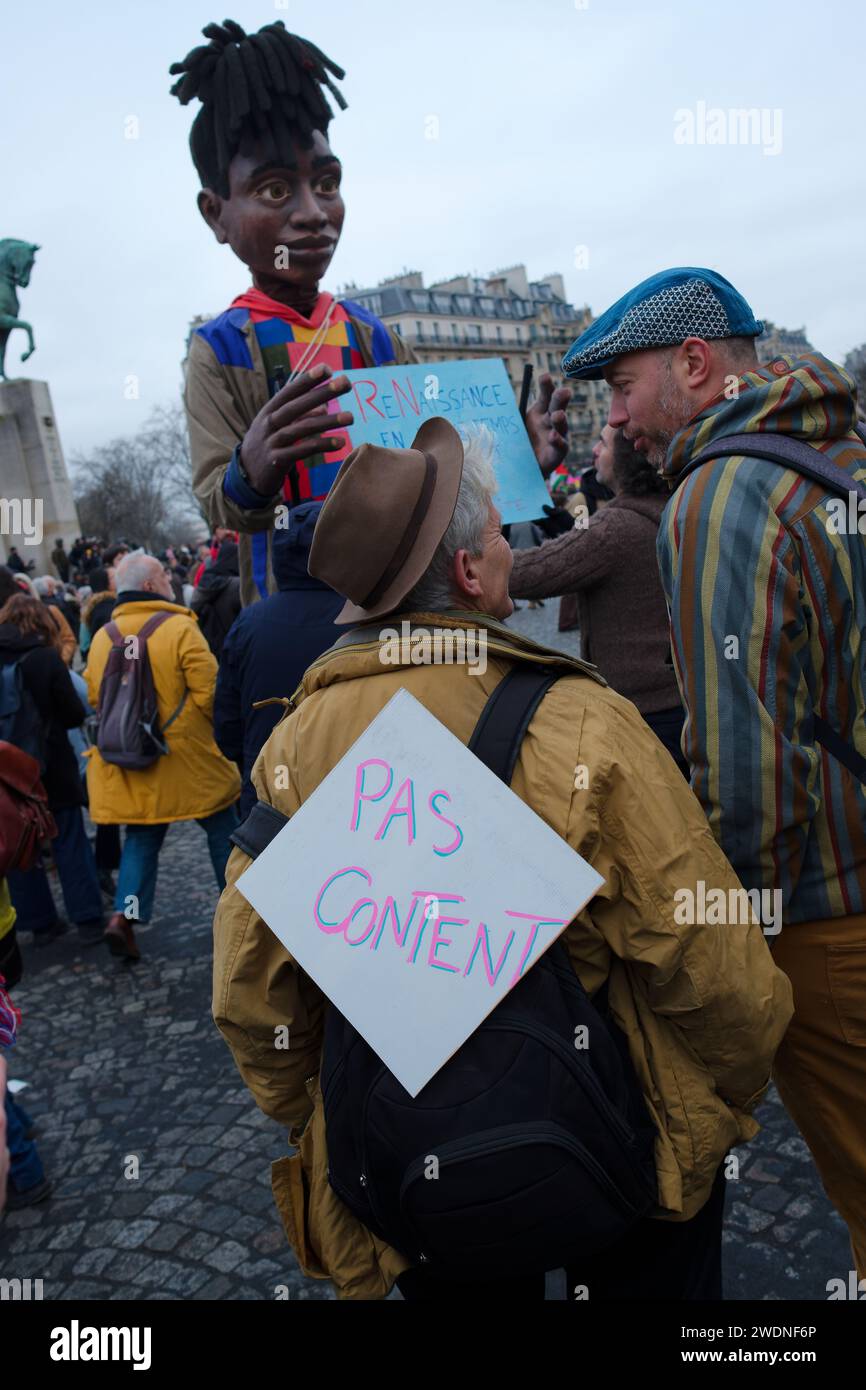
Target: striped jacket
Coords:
[[225, 388], [767, 599]]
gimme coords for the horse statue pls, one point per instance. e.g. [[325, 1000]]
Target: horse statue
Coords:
[[16, 263]]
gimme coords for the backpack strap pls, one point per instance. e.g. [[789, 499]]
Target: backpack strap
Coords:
[[843, 752], [496, 740], [149, 628], [812, 464], [172, 717], [497, 736], [262, 825], [782, 449], [146, 630]]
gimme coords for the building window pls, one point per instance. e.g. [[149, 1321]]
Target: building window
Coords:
[[436, 330], [418, 329], [498, 333], [454, 334]]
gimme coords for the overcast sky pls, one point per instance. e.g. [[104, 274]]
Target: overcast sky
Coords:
[[556, 131]]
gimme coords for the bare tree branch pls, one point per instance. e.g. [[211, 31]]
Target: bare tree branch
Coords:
[[138, 487]]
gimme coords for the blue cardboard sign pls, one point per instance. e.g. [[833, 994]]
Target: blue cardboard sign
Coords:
[[391, 403]]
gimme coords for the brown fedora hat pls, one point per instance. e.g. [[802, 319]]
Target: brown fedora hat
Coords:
[[383, 518]]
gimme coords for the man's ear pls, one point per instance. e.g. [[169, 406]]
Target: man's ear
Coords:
[[463, 575], [210, 205], [696, 362]]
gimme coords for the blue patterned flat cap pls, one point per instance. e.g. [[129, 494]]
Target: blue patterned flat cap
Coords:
[[686, 302]]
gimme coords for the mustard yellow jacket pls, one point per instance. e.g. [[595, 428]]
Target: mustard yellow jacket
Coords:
[[703, 1007], [194, 779]]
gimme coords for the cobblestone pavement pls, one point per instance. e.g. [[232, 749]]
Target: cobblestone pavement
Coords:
[[125, 1063]]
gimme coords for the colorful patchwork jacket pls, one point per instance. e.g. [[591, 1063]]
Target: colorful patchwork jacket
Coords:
[[767, 599], [226, 387]]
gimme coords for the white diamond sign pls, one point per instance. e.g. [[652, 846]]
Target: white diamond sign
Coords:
[[416, 889]]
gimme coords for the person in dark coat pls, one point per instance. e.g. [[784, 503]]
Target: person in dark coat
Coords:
[[16, 564], [217, 600], [28, 637], [610, 564], [96, 610], [60, 561], [270, 647]]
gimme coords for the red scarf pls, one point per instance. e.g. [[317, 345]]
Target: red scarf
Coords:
[[263, 307]]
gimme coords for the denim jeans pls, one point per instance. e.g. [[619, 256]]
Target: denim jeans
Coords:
[[136, 878], [79, 880], [25, 1169]]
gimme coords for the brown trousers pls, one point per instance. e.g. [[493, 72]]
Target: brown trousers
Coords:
[[820, 1068]]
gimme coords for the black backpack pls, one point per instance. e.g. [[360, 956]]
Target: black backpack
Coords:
[[526, 1151], [20, 720]]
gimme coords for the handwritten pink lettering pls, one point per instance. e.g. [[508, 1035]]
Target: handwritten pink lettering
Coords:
[[360, 920]]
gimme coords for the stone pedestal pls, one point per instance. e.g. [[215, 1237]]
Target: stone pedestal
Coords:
[[36, 504]]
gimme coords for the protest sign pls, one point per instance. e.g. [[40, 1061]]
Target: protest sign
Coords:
[[416, 889], [391, 403]]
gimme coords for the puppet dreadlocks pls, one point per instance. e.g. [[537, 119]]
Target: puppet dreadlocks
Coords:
[[264, 88]]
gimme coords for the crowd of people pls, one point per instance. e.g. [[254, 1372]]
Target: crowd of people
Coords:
[[53, 649], [717, 714]]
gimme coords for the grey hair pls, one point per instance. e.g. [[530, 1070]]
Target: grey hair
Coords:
[[434, 593], [45, 585], [134, 570]]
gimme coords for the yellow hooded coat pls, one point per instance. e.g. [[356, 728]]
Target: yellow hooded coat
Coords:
[[193, 780]]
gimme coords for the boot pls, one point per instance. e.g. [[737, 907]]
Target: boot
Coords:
[[120, 937]]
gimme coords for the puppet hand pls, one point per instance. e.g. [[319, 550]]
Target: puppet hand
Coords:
[[292, 426]]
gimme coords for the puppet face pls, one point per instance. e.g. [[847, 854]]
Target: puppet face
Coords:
[[283, 221]]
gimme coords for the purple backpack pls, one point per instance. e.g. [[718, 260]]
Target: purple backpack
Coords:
[[129, 733]]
